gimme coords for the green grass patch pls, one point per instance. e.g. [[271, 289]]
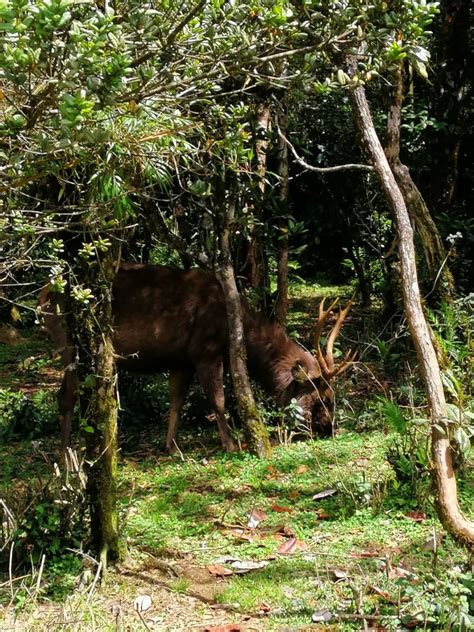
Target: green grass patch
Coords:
[[359, 540]]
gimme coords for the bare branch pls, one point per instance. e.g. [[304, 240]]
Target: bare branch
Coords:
[[305, 165]]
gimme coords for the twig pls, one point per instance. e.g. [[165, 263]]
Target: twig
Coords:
[[84, 555], [143, 620], [15, 579], [441, 267], [10, 571], [40, 575], [94, 583], [181, 455]]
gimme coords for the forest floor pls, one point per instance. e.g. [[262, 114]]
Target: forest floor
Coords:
[[324, 535], [317, 533]]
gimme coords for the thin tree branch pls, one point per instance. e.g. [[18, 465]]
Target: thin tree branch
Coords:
[[305, 165]]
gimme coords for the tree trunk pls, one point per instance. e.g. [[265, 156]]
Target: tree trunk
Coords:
[[432, 244], [255, 267], [92, 334], [249, 413], [446, 490], [281, 305], [365, 285]]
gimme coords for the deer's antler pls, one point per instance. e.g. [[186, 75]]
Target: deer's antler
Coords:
[[329, 368]]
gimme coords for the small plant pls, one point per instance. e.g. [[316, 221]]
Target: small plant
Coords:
[[440, 602], [11, 406], [409, 453], [453, 325], [292, 423], [180, 586], [45, 517], [27, 417]]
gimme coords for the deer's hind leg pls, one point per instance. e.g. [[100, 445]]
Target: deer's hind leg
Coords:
[[211, 377], [178, 387], [67, 395]]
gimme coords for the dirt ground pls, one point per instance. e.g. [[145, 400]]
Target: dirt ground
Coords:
[[115, 604]]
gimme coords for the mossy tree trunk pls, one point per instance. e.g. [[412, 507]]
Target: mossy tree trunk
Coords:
[[442, 467], [97, 379], [432, 244], [250, 415]]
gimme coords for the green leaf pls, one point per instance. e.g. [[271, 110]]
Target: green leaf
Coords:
[[462, 439]]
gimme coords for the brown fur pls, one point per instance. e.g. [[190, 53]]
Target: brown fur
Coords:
[[175, 320]]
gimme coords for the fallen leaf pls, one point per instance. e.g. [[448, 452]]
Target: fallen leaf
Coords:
[[271, 472], [263, 607], [255, 517], [142, 603], [384, 594], [399, 571], [416, 516], [291, 546], [379, 592], [288, 547], [286, 531], [338, 575], [230, 627], [281, 509], [219, 571], [246, 566], [302, 469], [321, 616], [329, 491]]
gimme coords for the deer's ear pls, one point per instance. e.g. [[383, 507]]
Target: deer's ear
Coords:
[[298, 373]]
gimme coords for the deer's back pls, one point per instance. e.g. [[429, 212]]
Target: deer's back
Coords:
[[166, 318]]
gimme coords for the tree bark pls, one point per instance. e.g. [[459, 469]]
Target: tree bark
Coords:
[[281, 305], [255, 267], [445, 482], [432, 244], [249, 413], [92, 334]]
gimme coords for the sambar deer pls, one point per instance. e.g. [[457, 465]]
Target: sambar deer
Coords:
[[166, 319]]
